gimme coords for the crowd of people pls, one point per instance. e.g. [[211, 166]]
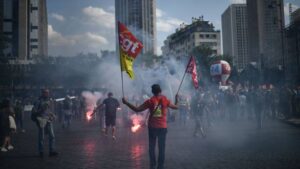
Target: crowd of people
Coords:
[[205, 106], [238, 103], [44, 111]]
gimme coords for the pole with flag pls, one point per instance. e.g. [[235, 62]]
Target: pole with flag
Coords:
[[129, 48], [191, 69]]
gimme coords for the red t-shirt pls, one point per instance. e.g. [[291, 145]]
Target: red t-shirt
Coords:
[[158, 118]]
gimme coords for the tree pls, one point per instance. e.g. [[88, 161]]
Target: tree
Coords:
[[205, 58], [202, 54]]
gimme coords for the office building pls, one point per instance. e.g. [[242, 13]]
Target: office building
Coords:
[[140, 17], [187, 37], [266, 35], [24, 22], [235, 35]]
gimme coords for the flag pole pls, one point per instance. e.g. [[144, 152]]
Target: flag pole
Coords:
[[183, 76], [122, 79], [122, 83], [181, 83]]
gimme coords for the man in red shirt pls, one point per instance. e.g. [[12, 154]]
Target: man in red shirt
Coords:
[[157, 123]]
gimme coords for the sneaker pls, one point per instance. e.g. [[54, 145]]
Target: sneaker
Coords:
[[3, 149], [10, 147], [53, 154], [114, 138]]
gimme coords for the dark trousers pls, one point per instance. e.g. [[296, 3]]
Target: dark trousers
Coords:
[[160, 135], [19, 121]]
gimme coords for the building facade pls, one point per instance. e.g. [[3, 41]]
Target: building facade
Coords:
[[295, 16], [235, 34], [293, 49], [187, 37], [24, 22], [266, 38], [140, 17], [1, 19]]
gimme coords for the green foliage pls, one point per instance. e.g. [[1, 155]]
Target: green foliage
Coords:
[[205, 58], [203, 50]]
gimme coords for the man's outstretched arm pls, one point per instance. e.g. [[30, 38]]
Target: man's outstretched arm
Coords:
[[174, 106], [135, 108]]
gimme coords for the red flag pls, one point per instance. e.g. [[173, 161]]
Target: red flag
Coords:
[[191, 69], [130, 47]]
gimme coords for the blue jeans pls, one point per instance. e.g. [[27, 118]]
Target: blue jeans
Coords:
[[67, 120], [159, 134], [48, 129]]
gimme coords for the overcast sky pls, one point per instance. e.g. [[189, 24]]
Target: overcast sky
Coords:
[[88, 25]]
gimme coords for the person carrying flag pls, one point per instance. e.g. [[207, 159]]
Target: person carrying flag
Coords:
[[158, 105]]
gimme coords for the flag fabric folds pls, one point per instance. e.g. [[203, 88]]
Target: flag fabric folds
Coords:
[[191, 69], [129, 48]]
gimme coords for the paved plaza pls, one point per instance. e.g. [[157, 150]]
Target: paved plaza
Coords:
[[228, 145]]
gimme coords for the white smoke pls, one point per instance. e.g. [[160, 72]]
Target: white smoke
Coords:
[[91, 99], [167, 74]]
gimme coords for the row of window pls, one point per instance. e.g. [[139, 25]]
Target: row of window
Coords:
[[208, 36], [211, 44]]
